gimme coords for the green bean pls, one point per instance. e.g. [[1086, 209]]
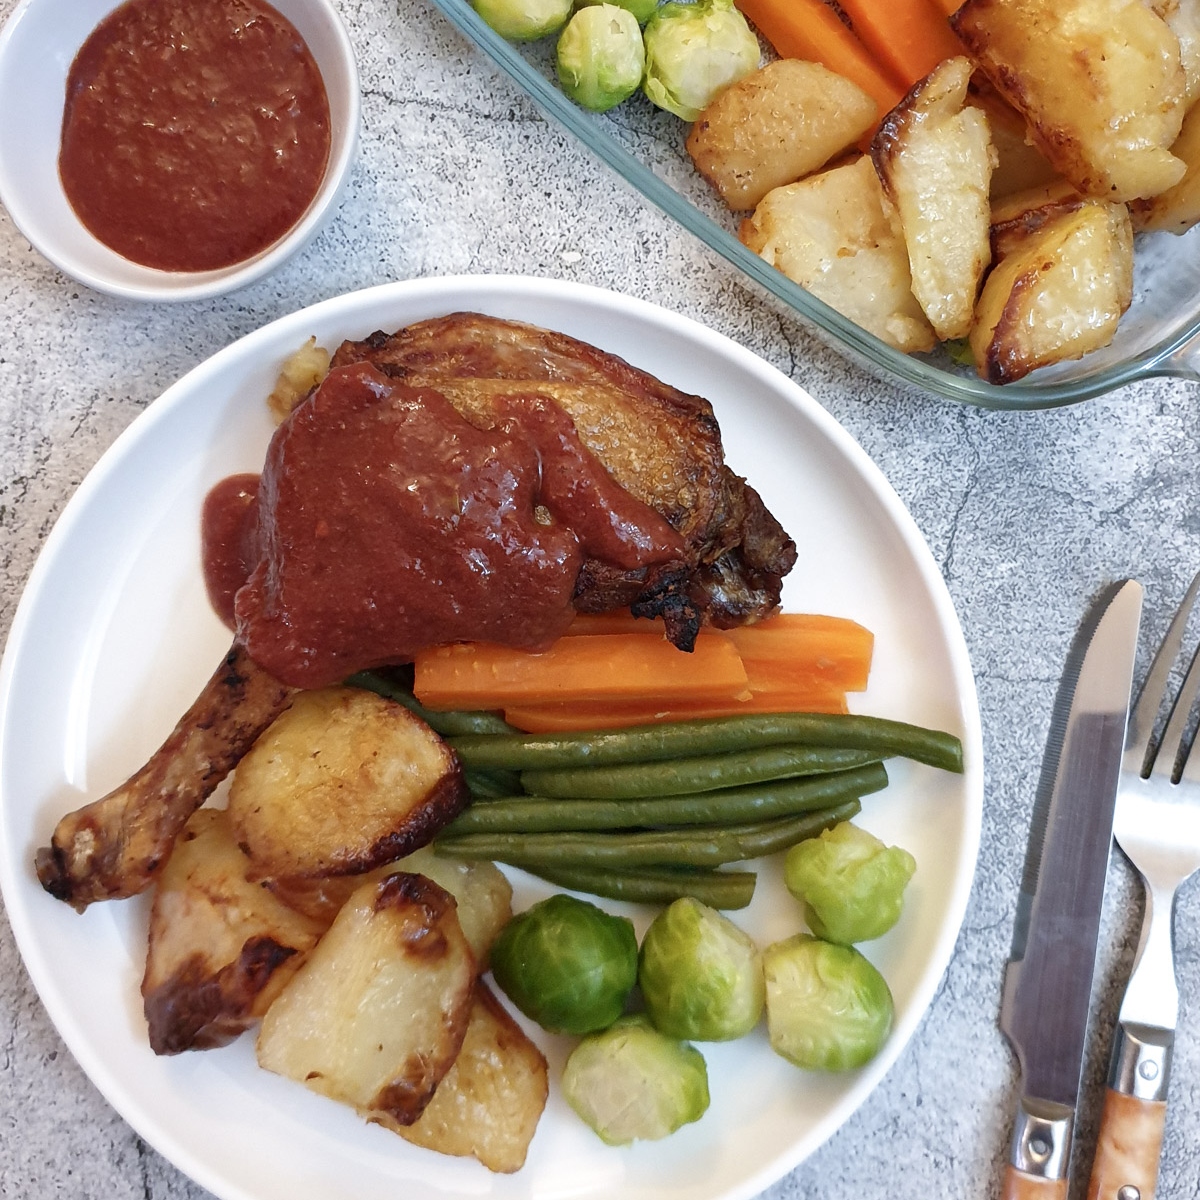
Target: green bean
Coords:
[[492, 785], [683, 739], [717, 889], [758, 802], [630, 781], [453, 723], [700, 846]]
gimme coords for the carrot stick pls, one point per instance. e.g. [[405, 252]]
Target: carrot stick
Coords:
[[793, 649], [601, 667], [907, 37], [811, 29], [565, 718], [620, 621], [949, 7]]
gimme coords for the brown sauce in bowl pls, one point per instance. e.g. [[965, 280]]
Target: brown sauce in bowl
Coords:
[[195, 133]]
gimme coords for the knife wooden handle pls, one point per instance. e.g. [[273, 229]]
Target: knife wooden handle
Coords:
[[1019, 1185], [1130, 1145]]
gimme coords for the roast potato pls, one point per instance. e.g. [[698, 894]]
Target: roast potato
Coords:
[[489, 1104], [1017, 216], [775, 126], [1177, 209], [1183, 19], [220, 948], [934, 157], [1057, 294], [1020, 165], [302, 370], [377, 1013], [1100, 83], [836, 235], [480, 889], [342, 782]]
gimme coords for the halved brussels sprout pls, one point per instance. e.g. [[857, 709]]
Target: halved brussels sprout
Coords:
[[643, 10], [632, 1082], [566, 964], [524, 20], [694, 51], [850, 883], [600, 56], [701, 976], [828, 1008]]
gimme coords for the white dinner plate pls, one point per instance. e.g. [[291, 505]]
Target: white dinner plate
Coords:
[[113, 639]]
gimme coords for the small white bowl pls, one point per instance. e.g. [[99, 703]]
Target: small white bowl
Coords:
[[37, 46]]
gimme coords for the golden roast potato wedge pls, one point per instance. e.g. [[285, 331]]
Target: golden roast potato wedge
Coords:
[[1183, 19], [377, 1013], [934, 156], [775, 126], [489, 1104], [1020, 165], [341, 782], [1016, 217], [1056, 295], [220, 947], [836, 235], [1177, 209], [1100, 83], [480, 889]]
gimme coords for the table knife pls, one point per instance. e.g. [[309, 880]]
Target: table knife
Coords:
[[1048, 982]]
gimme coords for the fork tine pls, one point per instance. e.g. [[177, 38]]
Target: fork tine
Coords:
[[1171, 743], [1154, 688]]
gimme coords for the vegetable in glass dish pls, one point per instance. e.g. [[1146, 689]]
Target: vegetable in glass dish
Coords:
[[693, 52], [828, 1008], [566, 964], [701, 976], [850, 883], [600, 56], [632, 1082], [524, 20], [643, 10]]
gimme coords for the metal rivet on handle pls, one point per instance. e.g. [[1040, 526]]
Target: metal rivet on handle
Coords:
[[1147, 1070], [1128, 1192]]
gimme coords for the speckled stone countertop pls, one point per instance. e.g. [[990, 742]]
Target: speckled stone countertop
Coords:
[[1029, 516]]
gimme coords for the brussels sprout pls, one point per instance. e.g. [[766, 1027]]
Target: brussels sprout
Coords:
[[633, 1082], [701, 976], [523, 20], [566, 964], [850, 883], [694, 51], [643, 10], [600, 57], [828, 1008]]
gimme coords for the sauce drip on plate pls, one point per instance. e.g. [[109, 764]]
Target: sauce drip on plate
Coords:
[[195, 133], [385, 522]]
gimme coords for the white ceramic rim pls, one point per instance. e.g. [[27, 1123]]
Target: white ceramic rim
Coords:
[[131, 281], [440, 295]]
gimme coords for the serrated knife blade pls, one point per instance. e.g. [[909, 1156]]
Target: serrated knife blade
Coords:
[[1048, 982]]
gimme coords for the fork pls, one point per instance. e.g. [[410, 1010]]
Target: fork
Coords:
[[1157, 825]]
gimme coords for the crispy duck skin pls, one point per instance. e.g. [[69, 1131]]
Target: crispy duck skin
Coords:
[[117, 845], [663, 446]]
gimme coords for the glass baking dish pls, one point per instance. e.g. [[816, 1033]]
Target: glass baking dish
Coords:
[[1158, 336]]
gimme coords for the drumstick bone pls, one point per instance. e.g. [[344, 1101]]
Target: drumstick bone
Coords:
[[115, 846]]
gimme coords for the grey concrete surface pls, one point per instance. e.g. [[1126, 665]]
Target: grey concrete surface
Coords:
[[1029, 516]]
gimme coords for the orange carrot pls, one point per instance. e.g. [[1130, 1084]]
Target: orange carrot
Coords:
[[564, 718], [602, 667], [619, 621], [793, 648], [811, 29], [949, 7], [907, 37]]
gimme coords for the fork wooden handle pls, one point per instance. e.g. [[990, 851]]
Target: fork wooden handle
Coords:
[[1129, 1147]]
